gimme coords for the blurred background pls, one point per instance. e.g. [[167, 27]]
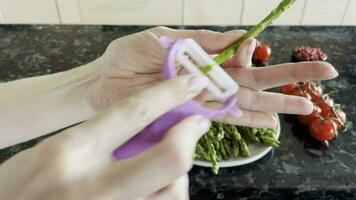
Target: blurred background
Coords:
[[174, 12]]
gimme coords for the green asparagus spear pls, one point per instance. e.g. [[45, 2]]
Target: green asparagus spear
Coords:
[[252, 33], [267, 137], [212, 154], [270, 142], [249, 133], [235, 148], [221, 130], [243, 148], [228, 147], [222, 150], [202, 153], [233, 131]]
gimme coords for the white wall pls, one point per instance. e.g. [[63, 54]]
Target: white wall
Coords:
[[174, 12]]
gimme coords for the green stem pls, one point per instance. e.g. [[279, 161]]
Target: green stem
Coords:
[[252, 33]]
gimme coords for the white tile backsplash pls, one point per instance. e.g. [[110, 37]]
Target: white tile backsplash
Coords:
[[256, 10], [1, 18], [350, 14], [293, 16], [69, 11], [324, 12], [152, 12], [175, 12], [29, 11], [212, 12]]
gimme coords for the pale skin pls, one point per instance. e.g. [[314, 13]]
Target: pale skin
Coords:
[[116, 95]]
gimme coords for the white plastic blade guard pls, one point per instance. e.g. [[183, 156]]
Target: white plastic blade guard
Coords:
[[192, 57]]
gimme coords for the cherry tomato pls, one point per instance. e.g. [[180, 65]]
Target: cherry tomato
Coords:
[[307, 95], [313, 89], [288, 89], [340, 116], [308, 119], [323, 129], [301, 93], [326, 111], [296, 92], [262, 52], [328, 100]]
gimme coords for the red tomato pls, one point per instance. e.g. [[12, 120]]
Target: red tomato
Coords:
[[307, 95], [296, 92], [301, 93], [313, 89], [326, 111], [262, 52], [308, 119], [323, 129], [288, 89]]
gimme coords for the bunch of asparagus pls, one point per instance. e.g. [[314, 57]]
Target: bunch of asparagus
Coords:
[[224, 141]]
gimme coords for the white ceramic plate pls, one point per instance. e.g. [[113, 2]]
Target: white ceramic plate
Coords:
[[257, 151]]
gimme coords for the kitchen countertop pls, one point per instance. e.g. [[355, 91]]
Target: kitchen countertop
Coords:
[[298, 169]]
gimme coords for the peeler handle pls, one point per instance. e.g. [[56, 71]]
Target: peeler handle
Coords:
[[154, 132]]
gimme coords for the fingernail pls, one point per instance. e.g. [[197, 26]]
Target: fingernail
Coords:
[[309, 106], [251, 47], [197, 83], [203, 125], [334, 73]]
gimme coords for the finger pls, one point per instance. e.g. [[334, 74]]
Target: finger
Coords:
[[251, 119], [243, 56], [134, 113], [261, 78], [159, 166], [211, 41], [177, 190], [273, 102]]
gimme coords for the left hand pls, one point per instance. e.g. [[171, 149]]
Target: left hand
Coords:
[[78, 164], [134, 62]]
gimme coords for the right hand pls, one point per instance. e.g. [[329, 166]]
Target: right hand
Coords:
[[134, 63], [78, 164]]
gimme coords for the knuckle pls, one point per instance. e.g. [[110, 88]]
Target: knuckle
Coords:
[[179, 161], [176, 90], [252, 100], [172, 193], [159, 29], [256, 79], [256, 99], [249, 119], [50, 158], [59, 154], [50, 152], [137, 109], [204, 32], [181, 87]]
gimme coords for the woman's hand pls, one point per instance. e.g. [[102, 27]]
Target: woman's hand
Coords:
[[134, 62], [76, 164]]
